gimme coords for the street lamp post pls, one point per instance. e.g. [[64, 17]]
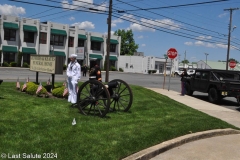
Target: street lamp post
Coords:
[[206, 60]]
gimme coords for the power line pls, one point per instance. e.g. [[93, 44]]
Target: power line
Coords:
[[177, 34], [191, 13], [182, 5], [155, 21], [131, 21], [172, 18]]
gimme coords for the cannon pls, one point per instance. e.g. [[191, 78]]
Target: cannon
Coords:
[[96, 98]]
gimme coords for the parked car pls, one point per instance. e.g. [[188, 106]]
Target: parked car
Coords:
[[190, 72], [179, 72], [217, 83]]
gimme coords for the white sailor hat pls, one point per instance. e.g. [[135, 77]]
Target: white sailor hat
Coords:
[[73, 56]]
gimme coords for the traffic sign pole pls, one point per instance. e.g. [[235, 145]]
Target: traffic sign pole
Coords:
[[172, 53], [170, 75]]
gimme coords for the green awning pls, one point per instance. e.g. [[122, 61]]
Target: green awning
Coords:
[[58, 32], [96, 56], [11, 49], [83, 37], [59, 53], [97, 39], [113, 41], [113, 58], [28, 50], [10, 25], [30, 28]]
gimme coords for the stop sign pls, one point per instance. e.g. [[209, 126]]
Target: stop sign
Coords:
[[232, 64], [172, 53]]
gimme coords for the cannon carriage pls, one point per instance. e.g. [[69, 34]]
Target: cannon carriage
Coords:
[[96, 98]]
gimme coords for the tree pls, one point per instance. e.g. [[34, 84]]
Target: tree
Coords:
[[128, 45], [232, 59], [185, 61]]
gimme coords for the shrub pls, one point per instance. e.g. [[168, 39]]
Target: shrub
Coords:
[[121, 70], [64, 67], [32, 88], [112, 68], [154, 71], [58, 92], [25, 65], [5, 64], [13, 64]]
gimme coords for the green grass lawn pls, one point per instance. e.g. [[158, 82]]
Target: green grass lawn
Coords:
[[30, 124]]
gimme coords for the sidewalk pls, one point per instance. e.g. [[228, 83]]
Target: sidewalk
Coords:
[[218, 144]]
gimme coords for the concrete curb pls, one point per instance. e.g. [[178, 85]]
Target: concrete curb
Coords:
[[165, 146]]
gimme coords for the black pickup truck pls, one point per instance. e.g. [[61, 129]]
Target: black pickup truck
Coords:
[[217, 83]]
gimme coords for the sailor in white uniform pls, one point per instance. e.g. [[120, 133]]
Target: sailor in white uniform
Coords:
[[74, 75]]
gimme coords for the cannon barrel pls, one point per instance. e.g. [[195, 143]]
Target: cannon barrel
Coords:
[[112, 84]]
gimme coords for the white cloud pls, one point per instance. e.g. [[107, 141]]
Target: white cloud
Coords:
[[140, 37], [148, 24], [143, 45], [114, 22], [188, 43], [11, 10], [84, 25], [72, 18], [112, 32], [222, 46], [203, 37], [140, 28], [199, 43], [167, 23], [222, 15], [210, 45], [82, 5]]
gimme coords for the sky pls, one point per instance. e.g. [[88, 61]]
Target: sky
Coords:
[[192, 27]]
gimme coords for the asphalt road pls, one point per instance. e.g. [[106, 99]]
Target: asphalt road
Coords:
[[145, 80]]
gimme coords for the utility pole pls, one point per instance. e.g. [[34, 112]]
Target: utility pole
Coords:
[[206, 60], [229, 33], [184, 59], [108, 40]]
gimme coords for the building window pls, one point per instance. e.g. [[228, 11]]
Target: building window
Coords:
[[10, 34], [26, 58], [156, 66], [9, 57], [70, 41], [28, 37], [112, 63], [43, 38], [113, 47], [126, 65], [56, 40], [96, 46], [80, 43]]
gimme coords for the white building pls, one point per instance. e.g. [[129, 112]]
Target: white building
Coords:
[[142, 64], [30, 36]]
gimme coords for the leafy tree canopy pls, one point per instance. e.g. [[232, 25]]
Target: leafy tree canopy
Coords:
[[128, 45], [185, 61]]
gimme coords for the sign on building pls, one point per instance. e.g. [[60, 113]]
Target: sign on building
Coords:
[[46, 63], [80, 52]]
